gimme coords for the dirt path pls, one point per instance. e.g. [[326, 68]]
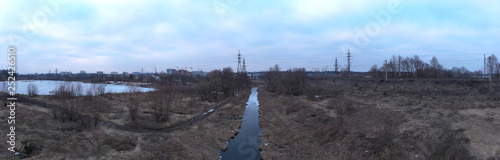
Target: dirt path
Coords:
[[137, 129]]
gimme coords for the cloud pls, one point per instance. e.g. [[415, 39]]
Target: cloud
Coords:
[[313, 10], [129, 35]]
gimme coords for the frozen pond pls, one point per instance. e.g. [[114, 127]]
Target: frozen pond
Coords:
[[246, 143], [45, 86]]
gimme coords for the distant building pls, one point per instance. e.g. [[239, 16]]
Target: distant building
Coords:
[[171, 71], [114, 73], [254, 75], [125, 73], [82, 72], [199, 73], [65, 73], [99, 72], [184, 72], [136, 73]]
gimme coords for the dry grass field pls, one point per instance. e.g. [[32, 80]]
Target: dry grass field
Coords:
[[376, 119], [191, 132], [334, 119]]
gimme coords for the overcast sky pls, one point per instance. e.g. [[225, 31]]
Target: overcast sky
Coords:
[[127, 35]]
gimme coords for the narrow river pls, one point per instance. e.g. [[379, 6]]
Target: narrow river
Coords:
[[245, 145]]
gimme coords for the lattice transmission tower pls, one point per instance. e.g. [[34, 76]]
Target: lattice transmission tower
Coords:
[[336, 67], [238, 70], [244, 70], [349, 62]]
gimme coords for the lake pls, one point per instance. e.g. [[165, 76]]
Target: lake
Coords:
[[45, 86]]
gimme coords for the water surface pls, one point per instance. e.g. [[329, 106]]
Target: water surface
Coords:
[[45, 86], [245, 145]]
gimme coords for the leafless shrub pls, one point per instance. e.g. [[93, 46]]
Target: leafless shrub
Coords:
[[294, 106], [445, 145], [30, 149], [204, 91], [32, 90], [314, 92], [161, 102], [78, 89], [96, 107], [337, 129], [291, 82], [120, 143], [134, 96], [64, 91], [219, 85], [97, 89], [68, 109], [101, 89], [341, 109]]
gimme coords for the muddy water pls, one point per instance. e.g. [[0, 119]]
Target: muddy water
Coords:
[[245, 145]]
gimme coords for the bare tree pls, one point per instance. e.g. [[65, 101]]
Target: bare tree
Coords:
[[436, 68], [406, 67], [498, 70], [227, 81], [273, 77], [418, 66], [32, 90], [464, 72], [393, 65], [491, 63], [161, 102], [374, 71], [455, 72], [294, 81]]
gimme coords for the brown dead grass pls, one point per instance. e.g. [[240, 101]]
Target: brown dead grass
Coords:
[[39, 136], [431, 119]]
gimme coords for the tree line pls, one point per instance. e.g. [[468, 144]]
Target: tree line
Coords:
[[414, 67], [291, 82], [220, 84]]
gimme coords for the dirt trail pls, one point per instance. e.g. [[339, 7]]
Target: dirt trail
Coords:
[[137, 129]]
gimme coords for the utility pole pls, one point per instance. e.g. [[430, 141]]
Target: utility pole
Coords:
[[385, 68], [349, 62], [484, 69], [490, 66], [238, 70]]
